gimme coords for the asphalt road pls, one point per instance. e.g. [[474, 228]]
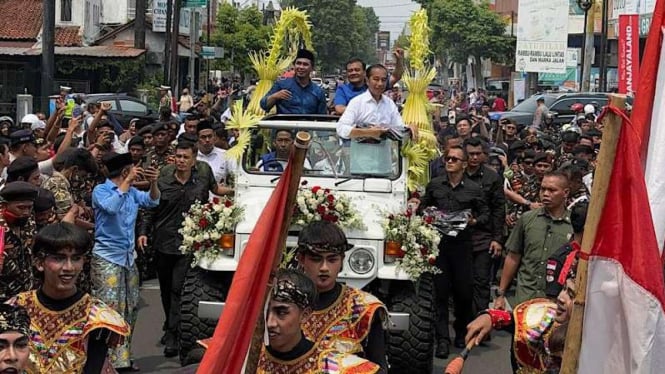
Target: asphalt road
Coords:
[[490, 359]]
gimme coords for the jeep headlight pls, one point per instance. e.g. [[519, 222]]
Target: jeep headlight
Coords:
[[361, 261]]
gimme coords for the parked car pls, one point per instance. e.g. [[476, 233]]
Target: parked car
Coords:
[[124, 107], [558, 103], [496, 87]]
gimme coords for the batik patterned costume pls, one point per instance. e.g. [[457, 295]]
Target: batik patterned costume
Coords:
[[533, 322], [16, 272], [59, 340], [316, 361], [346, 323], [119, 289]]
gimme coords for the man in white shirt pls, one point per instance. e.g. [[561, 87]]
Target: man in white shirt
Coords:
[[366, 120], [215, 157]]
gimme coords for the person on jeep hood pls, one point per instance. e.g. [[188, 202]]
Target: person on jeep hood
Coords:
[[343, 318]]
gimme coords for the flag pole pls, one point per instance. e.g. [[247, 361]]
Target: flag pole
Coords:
[[300, 150], [601, 181]]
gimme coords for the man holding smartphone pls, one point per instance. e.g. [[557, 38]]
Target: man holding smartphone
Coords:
[[114, 274]]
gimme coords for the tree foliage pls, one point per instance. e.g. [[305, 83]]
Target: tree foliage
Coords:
[[341, 30], [403, 41], [463, 28], [239, 31]]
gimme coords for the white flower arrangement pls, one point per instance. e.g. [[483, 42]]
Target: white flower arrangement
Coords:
[[419, 242], [204, 225], [321, 204]]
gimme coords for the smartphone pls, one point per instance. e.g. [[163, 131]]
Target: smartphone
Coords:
[[77, 111]]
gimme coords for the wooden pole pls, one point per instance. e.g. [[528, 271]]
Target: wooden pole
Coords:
[[601, 182], [300, 150]]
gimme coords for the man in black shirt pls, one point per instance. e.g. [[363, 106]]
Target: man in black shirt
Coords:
[[181, 184], [453, 192], [486, 239]]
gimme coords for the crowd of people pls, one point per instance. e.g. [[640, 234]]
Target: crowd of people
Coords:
[[92, 207]]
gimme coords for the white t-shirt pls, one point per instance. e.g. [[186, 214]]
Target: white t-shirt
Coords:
[[220, 165]]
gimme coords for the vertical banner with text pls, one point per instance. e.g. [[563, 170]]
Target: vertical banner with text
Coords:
[[629, 53]]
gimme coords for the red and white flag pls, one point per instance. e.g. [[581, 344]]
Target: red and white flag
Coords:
[[624, 317], [648, 117]]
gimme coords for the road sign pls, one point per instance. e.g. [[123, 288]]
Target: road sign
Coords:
[[195, 3], [211, 53]]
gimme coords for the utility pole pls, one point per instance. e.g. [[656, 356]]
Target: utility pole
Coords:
[[193, 36], [167, 46], [139, 25], [175, 79], [588, 49], [602, 81], [208, 6], [48, 53]]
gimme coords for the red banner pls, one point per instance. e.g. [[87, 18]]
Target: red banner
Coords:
[[629, 53]]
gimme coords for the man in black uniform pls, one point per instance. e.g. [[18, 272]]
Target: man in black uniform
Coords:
[[453, 192], [486, 239]]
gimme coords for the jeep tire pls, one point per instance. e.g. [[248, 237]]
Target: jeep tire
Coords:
[[412, 350], [200, 285]]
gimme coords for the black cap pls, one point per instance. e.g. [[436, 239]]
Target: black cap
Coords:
[[304, 53], [21, 136], [540, 157], [187, 138], [19, 191], [160, 126], [594, 132], [117, 161], [44, 201], [570, 137], [564, 260], [144, 130], [529, 153], [106, 124], [136, 140], [518, 144], [22, 166], [204, 125], [582, 148]]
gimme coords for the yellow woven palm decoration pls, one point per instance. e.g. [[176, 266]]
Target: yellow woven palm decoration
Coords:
[[415, 112], [242, 121], [292, 27]]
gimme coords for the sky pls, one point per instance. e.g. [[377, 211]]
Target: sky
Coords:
[[392, 13]]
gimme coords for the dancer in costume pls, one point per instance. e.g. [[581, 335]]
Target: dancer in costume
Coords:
[[70, 331], [344, 318], [14, 339], [539, 325], [289, 351]]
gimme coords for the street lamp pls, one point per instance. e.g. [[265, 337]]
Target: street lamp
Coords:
[[585, 5]]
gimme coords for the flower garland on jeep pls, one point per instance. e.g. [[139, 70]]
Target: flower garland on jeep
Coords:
[[418, 240], [204, 225], [317, 203]]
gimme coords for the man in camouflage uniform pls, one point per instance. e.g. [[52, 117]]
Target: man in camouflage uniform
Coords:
[[69, 184], [162, 152], [16, 273], [564, 154], [529, 188]]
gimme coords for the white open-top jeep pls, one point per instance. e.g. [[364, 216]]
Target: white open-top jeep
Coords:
[[330, 163]]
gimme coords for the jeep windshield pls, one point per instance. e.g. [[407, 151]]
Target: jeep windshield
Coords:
[[328, 155]]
